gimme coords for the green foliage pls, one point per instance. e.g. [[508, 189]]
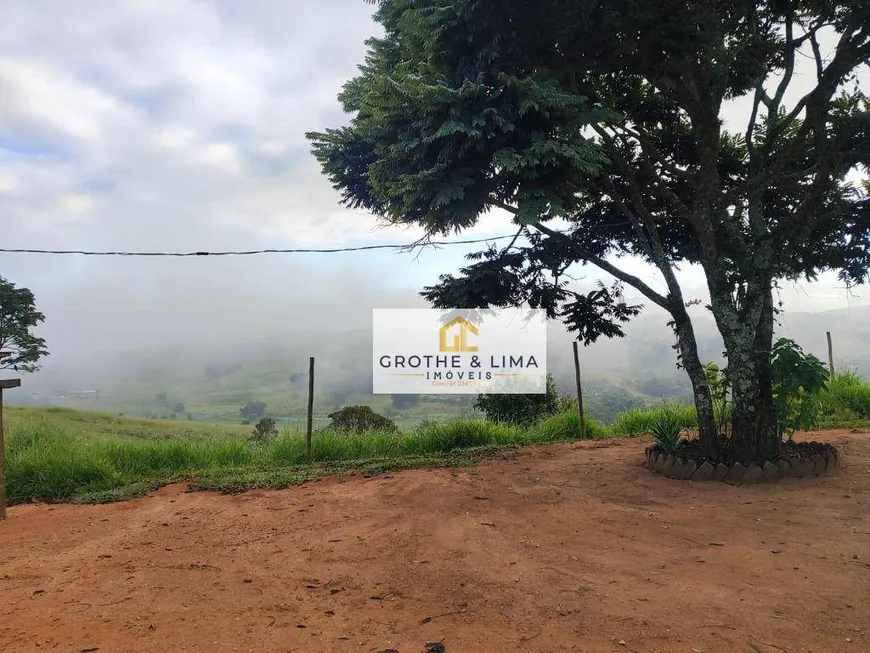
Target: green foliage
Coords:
[[637, 421], [521, 409], [52, 456], [360, 419], [798, 381], [720, 392], [846, 398], [253, 410], [565, 426], [606, 402], [264, 430], [666, 427], [18, 318]]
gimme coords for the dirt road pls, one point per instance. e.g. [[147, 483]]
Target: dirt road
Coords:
[[561, 548]]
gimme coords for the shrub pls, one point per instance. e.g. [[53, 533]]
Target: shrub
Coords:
[[522, 409], [264, 430], [798, 381], [360, 419], [253, 410]]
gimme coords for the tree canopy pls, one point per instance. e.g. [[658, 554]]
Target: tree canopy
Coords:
[[18, 318], [600, 129]]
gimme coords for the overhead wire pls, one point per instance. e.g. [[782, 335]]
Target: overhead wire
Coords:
[[331, 250], [298, 250]]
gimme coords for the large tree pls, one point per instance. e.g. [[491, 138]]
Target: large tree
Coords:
[[18, 318], [598, 127]]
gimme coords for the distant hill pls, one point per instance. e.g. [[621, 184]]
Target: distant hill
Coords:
[[212, 383]]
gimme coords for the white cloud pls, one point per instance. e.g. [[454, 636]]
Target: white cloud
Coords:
[[174, 118]]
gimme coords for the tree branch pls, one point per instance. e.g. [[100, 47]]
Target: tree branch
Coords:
[[612, 270], [750, 129], [849, 54], [789, 64], [514, 239], [817, 55], [633, 219], [650, 150]]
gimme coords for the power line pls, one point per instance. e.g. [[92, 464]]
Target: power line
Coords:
[[333, 250]]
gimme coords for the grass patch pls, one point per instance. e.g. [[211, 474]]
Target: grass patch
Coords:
[[62, 455], [846, 401], [638, 421]]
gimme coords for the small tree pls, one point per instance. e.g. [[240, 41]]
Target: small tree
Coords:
[[360, 419], [18, 316], [521, 408], [264, 430], [253, 410]]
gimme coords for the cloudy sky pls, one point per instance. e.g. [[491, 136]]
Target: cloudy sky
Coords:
[[179, 125]]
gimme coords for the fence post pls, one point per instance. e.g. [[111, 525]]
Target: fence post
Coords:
[[830, 354], [4, 384], [310, 406], [579, 392]]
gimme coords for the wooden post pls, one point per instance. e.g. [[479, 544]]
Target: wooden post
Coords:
[[830, 354], [310, 406], [4, 384], [579, 392]]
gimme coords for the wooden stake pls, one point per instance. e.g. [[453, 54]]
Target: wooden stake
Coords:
[[310, 406], [579, 392], [4, 384], [830, 354]]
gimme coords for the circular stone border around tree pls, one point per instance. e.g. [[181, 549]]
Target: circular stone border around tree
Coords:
[[798, 460]]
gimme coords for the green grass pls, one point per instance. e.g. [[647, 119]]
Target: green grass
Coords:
[[60, 454], [64, 455], [846, 400], [637, 421]]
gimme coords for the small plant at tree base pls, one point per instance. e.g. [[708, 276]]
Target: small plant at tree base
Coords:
[[264, 430], [666, 427], [720, 392], [798, 381], [361, 419]]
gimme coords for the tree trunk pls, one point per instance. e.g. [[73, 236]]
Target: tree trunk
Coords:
[[707, 432], [755, 437]]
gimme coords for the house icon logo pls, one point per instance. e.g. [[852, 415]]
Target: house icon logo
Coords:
[[460, 328]]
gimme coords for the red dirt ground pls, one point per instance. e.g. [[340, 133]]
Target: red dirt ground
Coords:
[[561, 548]]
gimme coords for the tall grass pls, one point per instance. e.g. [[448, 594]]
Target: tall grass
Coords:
[[846, 399], [53, 460], [637, 421]]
